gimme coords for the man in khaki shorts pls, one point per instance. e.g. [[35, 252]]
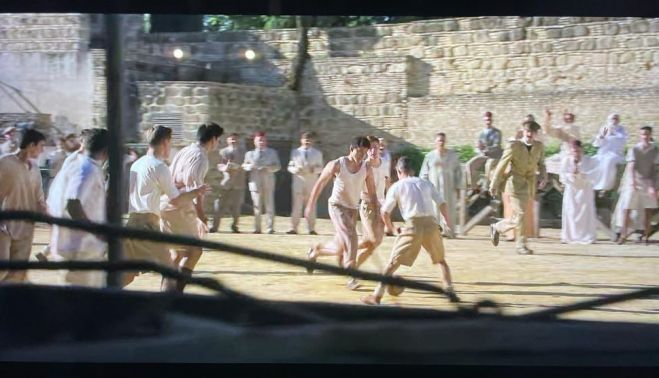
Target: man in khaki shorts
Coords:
[[189, 168], [149, 180], [414, 197]]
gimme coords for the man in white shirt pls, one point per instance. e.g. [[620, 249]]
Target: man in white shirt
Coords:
[[20, 189], [149, 180], [414, 198], [305, 165], [232, 187], [74, 149], [189, 168], [83, 198], [262, 163]]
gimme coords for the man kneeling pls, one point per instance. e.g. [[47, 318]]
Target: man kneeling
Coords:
[[414, 197]]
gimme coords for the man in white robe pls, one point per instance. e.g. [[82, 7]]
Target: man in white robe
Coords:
[[611, 140], [442, 168], [305, 165], [82, 198], [579, 219]]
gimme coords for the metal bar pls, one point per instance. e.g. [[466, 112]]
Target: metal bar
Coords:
[[115, 91], [587, 305], [132, 233], [485, 212]]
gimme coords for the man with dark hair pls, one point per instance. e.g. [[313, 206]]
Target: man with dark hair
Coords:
[[262, 163], [149, 180], [489, 152], [232, 187], [350, 174], [188, 169], [305, 165], [525, 157], [369, 214], [20, 189], [639, 191], [414, 197], [83, 198]]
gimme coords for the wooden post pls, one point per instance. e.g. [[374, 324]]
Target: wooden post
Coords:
[[462, 216]]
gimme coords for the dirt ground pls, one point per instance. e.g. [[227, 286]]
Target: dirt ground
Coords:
[[557, 274]]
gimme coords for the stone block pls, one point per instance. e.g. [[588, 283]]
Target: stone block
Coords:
[[626, 57], [654, 26], [571, 45], [640, 26], [605, 43], [581, 31], [200, 91], [561, 60], [575, 59], [451, 25], [474, 64], [482, 36], [518, 34], [500, 63], [460, 51], [519, 48], [434, 27], [651, 42], [171, 92], [634, 43], [501, 36], [554, 33], [587, 44], [160, 100]]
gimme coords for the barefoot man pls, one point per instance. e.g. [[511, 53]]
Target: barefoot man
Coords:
[[414, 198], [350, 174]]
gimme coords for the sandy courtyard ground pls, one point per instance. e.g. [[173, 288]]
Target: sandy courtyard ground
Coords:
[[557, 274]]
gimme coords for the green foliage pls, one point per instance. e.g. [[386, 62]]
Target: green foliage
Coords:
[[552, 149], [589, 149], [465, 152], [416, 155], [237, 22]]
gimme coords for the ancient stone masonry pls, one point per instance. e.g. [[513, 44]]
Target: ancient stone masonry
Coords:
[[46, 57]]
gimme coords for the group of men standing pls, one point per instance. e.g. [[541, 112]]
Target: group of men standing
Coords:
[[171, 198]]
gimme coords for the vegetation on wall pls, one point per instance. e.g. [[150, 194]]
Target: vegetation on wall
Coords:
[[237, 22]]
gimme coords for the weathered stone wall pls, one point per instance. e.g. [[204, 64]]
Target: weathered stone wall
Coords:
[[449, 72], [45, 56]]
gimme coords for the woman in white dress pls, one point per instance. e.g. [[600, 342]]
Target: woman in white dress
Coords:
[[442, 168], [579, 219]]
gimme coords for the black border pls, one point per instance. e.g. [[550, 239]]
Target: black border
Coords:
[[438, 8]]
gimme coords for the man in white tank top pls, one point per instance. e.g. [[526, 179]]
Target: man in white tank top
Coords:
[[372, 223], [351, 174]]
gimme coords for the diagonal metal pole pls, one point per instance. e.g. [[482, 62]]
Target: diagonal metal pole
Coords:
[[116, 110]]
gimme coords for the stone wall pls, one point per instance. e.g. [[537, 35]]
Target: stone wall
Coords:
[[45, 56], [449, 71]]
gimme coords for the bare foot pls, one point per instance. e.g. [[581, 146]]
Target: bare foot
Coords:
[[371, 300]]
